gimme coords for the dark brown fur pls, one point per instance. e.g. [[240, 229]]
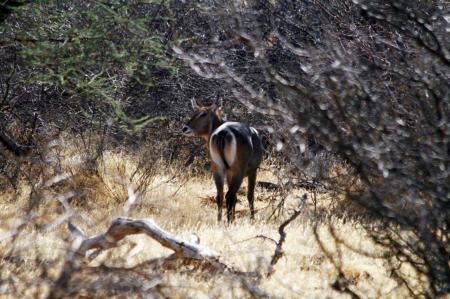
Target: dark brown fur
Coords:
[[247, 158]]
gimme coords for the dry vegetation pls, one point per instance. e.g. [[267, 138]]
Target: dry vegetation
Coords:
[[352, 99], [33, 254]]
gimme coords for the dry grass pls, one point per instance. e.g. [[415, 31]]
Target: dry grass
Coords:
[[182, 205]]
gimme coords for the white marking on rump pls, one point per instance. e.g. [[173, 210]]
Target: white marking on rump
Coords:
[[230, 149], [215, 155]]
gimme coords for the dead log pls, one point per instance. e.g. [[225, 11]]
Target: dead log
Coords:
[[119, 229], [122, 227]]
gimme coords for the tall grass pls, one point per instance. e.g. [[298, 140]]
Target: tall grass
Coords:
[[34, 244]]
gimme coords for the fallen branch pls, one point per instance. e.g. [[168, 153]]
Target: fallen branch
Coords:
[[308, 185], [119, 229], [122, 227]]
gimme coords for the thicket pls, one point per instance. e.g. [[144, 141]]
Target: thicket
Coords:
[[365, 84]]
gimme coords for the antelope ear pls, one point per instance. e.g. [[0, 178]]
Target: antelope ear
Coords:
[[220, 114], [195, 104], [219, 109]]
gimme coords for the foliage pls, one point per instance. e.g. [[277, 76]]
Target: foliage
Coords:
[[9, 6], [90, 51]]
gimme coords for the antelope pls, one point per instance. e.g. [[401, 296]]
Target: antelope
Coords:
[[235, 151]]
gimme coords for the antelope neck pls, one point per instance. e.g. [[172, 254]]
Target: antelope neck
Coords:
[[214, 124]]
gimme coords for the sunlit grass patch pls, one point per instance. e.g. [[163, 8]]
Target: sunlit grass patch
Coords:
[[318, 242]]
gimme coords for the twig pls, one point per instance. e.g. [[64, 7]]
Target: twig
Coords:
[[279, 249]]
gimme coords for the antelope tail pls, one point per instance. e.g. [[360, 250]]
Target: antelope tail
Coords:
[[221, 139]]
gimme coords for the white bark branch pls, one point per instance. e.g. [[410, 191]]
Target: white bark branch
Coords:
[[122, 227]]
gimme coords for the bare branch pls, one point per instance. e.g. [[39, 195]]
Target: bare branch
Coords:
[[279, 249], [122, 227]]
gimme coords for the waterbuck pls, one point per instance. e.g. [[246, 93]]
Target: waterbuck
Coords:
[[235, 150]]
